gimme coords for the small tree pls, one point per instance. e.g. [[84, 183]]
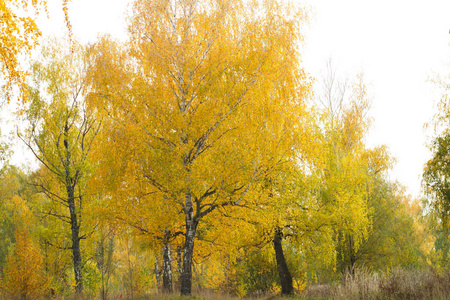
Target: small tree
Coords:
[[436, 174], [60, 134], [24, 274], [437, 186]]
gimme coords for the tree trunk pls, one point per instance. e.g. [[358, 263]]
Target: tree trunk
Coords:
[[191, 227], [445, 239], [179, 266], [76, 253], [157, 272], [100, 256], [104, 261], [70, 189], [352, 257], [167, 270], [283, 271]]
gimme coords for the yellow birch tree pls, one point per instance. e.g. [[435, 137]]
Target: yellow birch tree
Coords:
[[208, 95]]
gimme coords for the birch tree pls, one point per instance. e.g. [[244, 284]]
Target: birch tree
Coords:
[[60, 133], [208, 95]]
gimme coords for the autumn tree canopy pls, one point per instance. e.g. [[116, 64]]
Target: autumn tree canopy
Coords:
[[208, 98]]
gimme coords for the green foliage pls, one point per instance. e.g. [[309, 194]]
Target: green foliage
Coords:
[[91, 279], [436, 177], [394, 240], [8, 188], [436, 181], [257, 272], [436, 173]]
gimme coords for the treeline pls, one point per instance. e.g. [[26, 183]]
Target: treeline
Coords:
[[196, 157]]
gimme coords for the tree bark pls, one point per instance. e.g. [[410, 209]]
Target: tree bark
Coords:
[[157, 272], [283, 271], [75, 227], [352, 257], [167, 270], [191, 227], [179, 266], [76, 253], [445, 241]]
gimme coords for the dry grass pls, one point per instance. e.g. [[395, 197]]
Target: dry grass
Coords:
[[398, 284], [210, 296]]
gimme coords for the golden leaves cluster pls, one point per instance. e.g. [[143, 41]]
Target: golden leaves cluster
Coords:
[[19, 34]]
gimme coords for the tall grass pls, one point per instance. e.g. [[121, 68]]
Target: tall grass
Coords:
[[395, 284], [364, 284]]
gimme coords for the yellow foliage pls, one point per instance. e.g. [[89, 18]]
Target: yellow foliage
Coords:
[[299, 284], [19, 35], [205, 100], [21, 212], [241, 290], [276, 289]]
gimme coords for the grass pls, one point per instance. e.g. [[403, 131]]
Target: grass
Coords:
[[397, 284], [219, 297]]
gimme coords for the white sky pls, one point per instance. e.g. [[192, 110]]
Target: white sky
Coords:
[[396, 43]]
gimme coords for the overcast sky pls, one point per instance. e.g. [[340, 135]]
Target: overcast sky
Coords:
[[398, 44]]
